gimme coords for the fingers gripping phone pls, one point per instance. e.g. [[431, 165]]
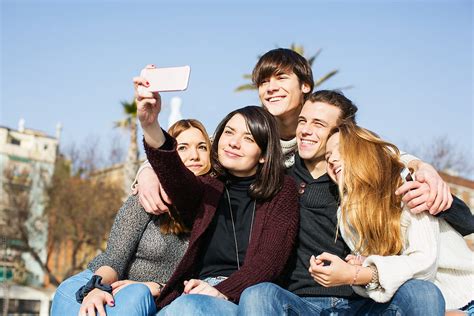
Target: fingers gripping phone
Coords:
[[166, 79], [406, 175]]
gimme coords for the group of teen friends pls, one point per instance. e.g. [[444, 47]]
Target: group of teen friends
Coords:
[[293, 209]]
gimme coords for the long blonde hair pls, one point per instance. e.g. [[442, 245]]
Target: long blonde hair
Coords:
[[370, 209], [172, 223]]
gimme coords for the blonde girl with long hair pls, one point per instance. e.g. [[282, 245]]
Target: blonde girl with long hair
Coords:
[[142, 250], [390, 244]]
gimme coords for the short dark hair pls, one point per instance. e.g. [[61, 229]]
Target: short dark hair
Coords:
[[337, 99], [283, 60], [263, 126]]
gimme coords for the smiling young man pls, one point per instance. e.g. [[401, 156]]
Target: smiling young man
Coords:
[[284, 80], [299, 292]]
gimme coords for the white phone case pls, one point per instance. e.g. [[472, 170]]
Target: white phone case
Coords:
[[166, 79]]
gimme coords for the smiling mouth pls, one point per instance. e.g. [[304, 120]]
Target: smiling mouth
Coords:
[[275, 99], [194, 166], [337, 170], [231, 154], [308, 142]]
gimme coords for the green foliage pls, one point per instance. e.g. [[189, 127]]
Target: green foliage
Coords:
[[130, 111]]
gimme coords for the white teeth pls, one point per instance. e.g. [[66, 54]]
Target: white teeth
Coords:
[[338, 169], [309, 142], [275, 99]]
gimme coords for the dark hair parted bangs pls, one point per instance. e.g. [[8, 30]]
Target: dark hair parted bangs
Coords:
[[263, 127], [283, 60]]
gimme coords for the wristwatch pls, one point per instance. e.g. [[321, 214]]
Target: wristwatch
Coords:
[[374, 282]]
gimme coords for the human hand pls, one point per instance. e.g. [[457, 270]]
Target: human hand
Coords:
[[195, 286], [428, 192], [415, 195], [151, 194], [338, 272], [355, 260], [148, 103], [155, 288], [95, 300], [440, 198]]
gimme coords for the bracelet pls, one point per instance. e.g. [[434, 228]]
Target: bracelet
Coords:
[[94, 283], [355, 276], [374, 282]]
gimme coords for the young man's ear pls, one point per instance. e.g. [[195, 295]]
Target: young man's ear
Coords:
[[305, 88]]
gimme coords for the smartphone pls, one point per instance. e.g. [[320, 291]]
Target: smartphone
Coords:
[[166, 79], [406, 175]]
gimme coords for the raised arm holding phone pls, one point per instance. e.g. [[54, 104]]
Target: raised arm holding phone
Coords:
[[244, 216]]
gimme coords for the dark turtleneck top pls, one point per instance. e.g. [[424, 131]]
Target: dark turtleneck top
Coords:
[[220, 258]]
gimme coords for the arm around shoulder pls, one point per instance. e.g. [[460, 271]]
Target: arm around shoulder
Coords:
[[459, 216]]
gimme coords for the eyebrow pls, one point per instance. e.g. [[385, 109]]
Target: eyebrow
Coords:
[[314, 120], [200, 143], [320, 121], [233, 129]]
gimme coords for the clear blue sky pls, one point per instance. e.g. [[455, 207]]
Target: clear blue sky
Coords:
[[410, 62]]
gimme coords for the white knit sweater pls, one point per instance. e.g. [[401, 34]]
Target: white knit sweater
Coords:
[[433, 251]]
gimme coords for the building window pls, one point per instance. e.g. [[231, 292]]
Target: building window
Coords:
[[14, 141]]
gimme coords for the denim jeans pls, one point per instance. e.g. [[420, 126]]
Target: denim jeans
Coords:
[[134, 299], [415, 297], [198, 304]]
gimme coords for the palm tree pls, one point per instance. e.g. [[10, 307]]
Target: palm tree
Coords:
[[300, 50], [130, 124]]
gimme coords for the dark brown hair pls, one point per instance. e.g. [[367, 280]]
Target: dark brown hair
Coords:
[[263, 127], [172, 223], [337, 99], [283, 60]]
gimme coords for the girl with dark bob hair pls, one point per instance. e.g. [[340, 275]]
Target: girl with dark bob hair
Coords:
[[244, 215]]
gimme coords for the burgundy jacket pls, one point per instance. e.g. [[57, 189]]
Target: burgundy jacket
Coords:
[[196, 199]]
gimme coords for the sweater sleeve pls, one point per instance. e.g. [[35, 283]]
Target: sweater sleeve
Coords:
[[274, 245], [459, 216], [143, 166], [127, 230], [406, 158], [419, 259], [183, 188]]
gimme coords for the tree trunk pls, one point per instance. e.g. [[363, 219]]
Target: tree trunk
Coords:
[[131, 165]]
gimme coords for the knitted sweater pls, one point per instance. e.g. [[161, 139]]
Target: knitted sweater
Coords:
[[433, 251], [196, 199], [317, 233], [137, 250], [289, 148]]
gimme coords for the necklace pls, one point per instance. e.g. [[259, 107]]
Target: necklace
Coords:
[[233, 226]]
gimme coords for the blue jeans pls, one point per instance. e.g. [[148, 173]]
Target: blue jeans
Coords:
[[415, 297], [134, 299], [197, 304]]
